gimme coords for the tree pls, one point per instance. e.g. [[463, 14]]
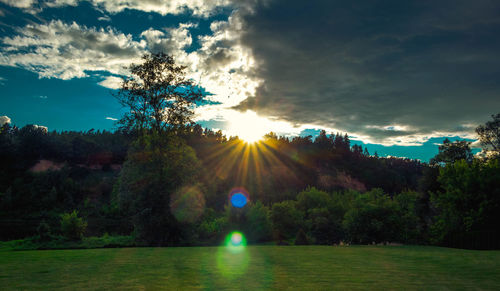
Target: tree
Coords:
[[149, 178], [72, 226], [469, 201], [158, 95], [258, 223], [373, 217], [286, 219], [301, 238], [449, 152], [489, 135]]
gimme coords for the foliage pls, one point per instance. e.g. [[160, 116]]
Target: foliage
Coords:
[[450, 152], [301, 238], [258, 226], [469, 201], [171, 188], [489, 135], [156, 167], [43, 231], [72, 226], [373, 218], [213, 229], [286, 219], [312, 198], [158, 95], [412, 229]]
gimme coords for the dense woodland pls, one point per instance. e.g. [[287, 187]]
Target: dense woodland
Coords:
[[324, 188], [168, 183]]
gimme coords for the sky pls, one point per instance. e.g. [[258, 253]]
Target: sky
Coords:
[[397, 76]]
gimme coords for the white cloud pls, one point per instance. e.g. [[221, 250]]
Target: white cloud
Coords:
[[111, 82], [104, 18], [200, 8], [4, 119], [222, 65], [171, 40], [41, 127], [111, 118], [66, 51], [476, 144], [19, 3], [60, 3], [2, 81], [43, 97]]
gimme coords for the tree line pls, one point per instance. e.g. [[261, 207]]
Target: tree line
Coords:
[[165, 181]]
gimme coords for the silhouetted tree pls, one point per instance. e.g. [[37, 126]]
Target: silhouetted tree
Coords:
[[449, 152], [158, 95], [489, 135]]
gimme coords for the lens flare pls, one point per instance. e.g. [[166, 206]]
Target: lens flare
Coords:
[[235, 242], [238, 200], [238, 197], [236, 239], [187, 204]]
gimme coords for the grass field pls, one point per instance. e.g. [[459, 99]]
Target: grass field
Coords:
[[256, 268]]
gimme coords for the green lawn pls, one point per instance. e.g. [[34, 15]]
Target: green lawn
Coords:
[[257, 267]]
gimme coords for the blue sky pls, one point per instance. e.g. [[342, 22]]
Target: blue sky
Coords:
[[398, 76]]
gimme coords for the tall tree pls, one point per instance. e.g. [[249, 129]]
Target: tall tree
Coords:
[[489, 135], [157, 95], [449, 152]]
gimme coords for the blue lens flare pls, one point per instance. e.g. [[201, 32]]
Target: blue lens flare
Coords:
[[239, 200]]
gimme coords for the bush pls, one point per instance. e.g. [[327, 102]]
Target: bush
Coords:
[[286, 219], [258, 223], [43, 231], [373, 217], [72, 226], [301, 238]]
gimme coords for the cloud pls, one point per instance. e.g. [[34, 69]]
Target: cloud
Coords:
[[19, 3], [59, 50], [222, 64], [200, 8], [111, 118], [66, 51], [2, 81], [4, 120], [197, 7], [366, 66], [172, 40], [104, 18], [386, 72], [43, 97], [111, 82]]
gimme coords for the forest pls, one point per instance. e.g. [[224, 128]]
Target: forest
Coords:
[[161, 180]]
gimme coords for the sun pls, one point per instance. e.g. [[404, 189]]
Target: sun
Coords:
[[248, 126]]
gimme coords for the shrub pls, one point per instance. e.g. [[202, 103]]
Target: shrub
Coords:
[[258, 223], [301, 238], [72, 226], [43, 231]]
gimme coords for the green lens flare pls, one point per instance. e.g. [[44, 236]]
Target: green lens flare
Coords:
[[233, 258], [235, 242], [236, 239]]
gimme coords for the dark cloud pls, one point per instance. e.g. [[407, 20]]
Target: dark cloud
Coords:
[[219, 58], [432, 66]]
